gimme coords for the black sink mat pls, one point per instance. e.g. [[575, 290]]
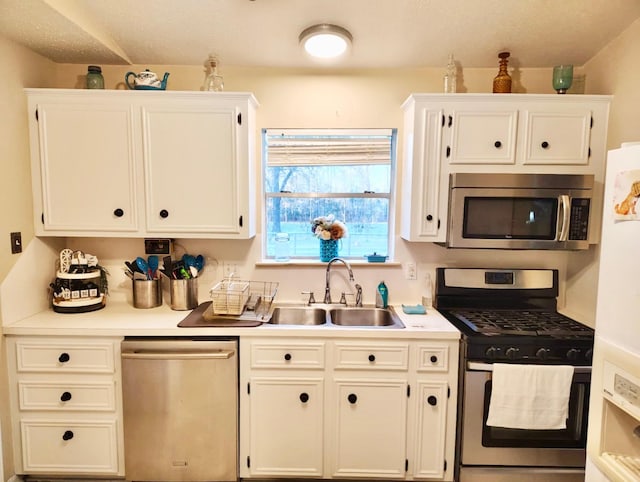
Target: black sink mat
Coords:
[[202, 317]]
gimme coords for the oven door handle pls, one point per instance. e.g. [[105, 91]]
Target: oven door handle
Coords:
[[488, 367]]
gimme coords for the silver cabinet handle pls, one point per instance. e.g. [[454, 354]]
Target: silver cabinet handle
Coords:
[[167, 355]]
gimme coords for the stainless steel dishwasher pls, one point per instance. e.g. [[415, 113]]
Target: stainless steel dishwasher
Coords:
[[180, 400]]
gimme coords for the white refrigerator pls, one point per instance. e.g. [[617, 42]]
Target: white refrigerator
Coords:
[[612, 445]]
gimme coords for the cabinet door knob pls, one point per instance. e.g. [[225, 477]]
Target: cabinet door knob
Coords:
[[434, 359], [64, 358], [67, 435], [164, 213], [498, 144], [432, 400], [304, 397], [118, 213], [545, 144], [429, 217], [372, 358], [65, 397], [353, 398], [287, 356]]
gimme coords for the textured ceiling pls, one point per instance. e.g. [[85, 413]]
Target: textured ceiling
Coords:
[[386, 33]]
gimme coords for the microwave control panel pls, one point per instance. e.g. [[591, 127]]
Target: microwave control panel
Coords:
[[579, 222]]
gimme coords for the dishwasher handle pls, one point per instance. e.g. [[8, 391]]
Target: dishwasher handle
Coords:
[[182, 355]]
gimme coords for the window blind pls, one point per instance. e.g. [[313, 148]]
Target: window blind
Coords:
[[310, 147]]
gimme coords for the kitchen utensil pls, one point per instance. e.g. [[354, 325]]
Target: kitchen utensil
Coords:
[[143, 267], [180, 271], [199, 262], [153, 263], [189, 260], [167, 264], [133, 267]]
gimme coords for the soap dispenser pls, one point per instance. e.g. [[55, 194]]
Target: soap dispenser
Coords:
[[382, 295]]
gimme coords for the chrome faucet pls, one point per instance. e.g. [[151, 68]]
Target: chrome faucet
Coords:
[[327, 290]]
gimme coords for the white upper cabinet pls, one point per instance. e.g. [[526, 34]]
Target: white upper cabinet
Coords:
[[493, 133], [84, 166], [125, 163]]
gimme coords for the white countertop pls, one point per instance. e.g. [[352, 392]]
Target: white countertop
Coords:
[[120, 318]]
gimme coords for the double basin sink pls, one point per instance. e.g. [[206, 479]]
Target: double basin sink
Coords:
[[339, 316]]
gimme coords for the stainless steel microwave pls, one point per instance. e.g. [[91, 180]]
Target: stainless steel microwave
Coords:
[[519, 211]]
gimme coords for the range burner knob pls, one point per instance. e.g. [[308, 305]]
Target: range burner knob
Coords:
[[572, 354], [491, 352], [512, 353], [542, 353]]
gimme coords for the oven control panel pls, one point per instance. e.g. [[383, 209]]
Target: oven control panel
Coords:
[[569, 352]]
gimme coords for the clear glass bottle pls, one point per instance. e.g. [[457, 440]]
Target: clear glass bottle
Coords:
[[450, 77], [95, 80], [281, 247], [213, 81]]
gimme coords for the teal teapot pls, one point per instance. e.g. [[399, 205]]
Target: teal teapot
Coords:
[[146, 80]]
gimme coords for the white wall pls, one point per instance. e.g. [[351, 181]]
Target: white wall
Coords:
[[21, 68]]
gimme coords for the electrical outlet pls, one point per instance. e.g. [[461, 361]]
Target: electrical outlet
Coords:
[[157, 246], [229, 268], [410, 270]]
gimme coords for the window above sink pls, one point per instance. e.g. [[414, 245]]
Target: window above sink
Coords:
[[347, 173]]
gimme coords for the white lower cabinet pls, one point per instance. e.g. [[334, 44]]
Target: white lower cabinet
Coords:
[[355, 408], [369, 433], [286, 426], [66, 405]]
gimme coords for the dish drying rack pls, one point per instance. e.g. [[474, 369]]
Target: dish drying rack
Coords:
[[232, 296]]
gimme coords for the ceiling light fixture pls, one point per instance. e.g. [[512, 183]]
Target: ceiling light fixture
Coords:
[[325, 41]]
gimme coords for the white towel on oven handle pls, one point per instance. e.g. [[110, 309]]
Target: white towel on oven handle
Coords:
[[534, 397]]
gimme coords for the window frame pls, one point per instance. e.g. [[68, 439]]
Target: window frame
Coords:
[[390, 196]]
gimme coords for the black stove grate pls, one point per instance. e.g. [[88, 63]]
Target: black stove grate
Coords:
[[520, 322]]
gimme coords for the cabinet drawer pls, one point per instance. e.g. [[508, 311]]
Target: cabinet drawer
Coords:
[[69, 447], [433, 358], [65, 356], [287, 355], [67, 396], [371, 356]]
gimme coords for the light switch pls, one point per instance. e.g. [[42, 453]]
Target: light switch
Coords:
[[16, 243]]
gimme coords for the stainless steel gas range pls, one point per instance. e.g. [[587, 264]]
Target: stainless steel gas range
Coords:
[[510, 316]]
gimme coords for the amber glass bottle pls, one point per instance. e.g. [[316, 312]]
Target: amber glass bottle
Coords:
[[502, 81]]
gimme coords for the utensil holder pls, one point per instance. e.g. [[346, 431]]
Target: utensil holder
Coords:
[[184, 293], [147, 293]]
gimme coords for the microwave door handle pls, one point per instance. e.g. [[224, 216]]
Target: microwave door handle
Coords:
[[564, 217]]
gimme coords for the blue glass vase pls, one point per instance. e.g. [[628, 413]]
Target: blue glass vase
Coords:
[[328, 249]]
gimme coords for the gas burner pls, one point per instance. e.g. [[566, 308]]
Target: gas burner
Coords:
[[520, 322]]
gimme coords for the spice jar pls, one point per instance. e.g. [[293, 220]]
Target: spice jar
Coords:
[[95, 80]]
